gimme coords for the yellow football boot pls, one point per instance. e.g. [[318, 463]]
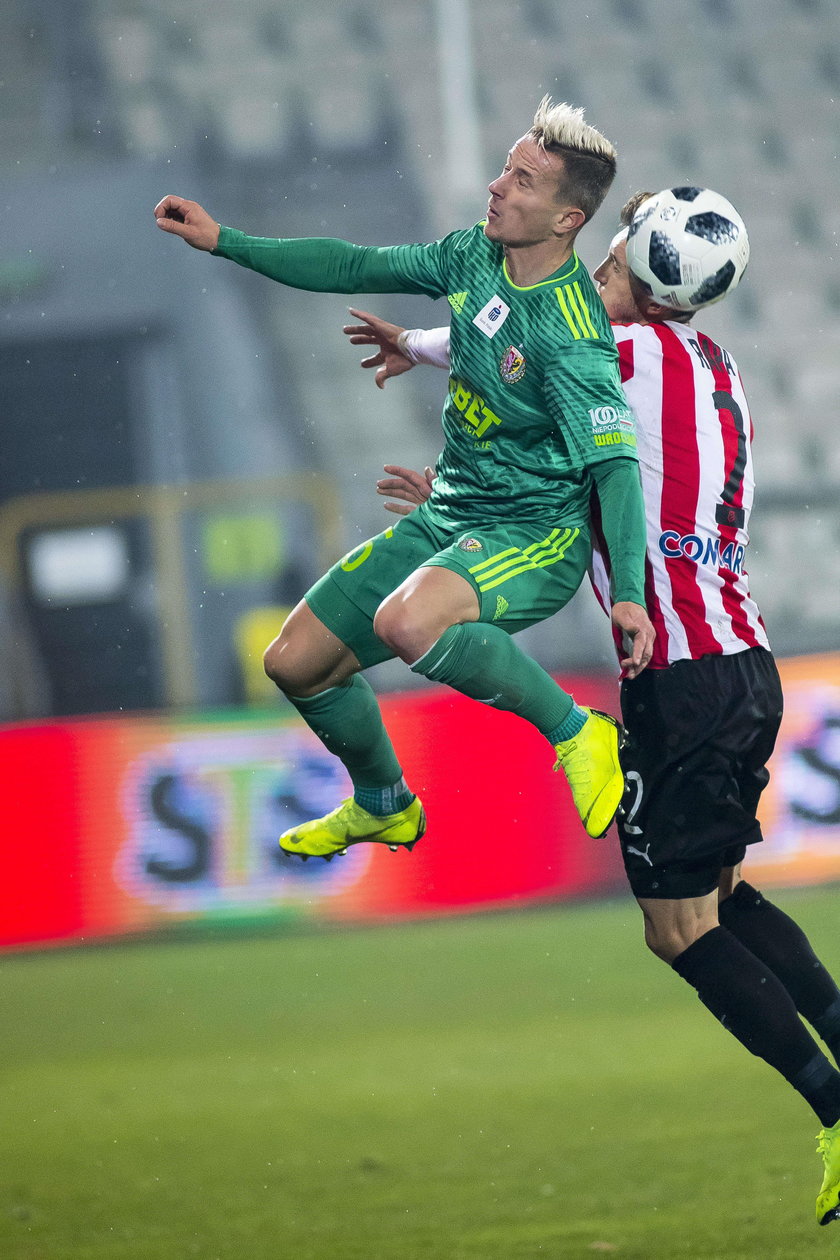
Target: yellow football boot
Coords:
[[590, 760], [350, 824], [828, 1199]]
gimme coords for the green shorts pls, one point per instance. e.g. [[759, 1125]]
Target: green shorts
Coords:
[[521, 573]]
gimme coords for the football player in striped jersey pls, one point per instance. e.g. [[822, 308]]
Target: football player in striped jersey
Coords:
[[703, 718]]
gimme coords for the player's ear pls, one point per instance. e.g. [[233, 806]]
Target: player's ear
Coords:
[[568, 220], [654, 311]]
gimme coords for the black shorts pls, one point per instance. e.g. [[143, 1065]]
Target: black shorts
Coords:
[[700, 734]]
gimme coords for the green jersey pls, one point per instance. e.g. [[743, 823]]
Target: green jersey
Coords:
[[534, 394], [535, 412]]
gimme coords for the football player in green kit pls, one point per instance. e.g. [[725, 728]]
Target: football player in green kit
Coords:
[[534, 420]]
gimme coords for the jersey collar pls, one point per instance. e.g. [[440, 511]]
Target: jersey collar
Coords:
[[565, 273]]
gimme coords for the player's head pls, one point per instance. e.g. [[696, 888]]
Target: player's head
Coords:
[[627, 299], [555, 178], [589, 160]]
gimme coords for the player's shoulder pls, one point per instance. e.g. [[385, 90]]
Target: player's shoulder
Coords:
[[681, 346], [643, 340], [705, 350], [715, 354], [668, 333], [580, 305]]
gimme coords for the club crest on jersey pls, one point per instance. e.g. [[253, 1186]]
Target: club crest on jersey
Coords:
[[469, 544], [512, 366]]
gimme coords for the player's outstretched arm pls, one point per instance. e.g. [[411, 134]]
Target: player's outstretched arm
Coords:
[[389, 360], [406, 484], [633, 620], [188, 220]]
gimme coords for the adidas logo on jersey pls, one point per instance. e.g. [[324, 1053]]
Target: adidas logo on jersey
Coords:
[[457, 300]]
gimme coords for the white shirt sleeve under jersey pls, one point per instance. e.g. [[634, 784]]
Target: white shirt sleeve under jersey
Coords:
[[426, 345]]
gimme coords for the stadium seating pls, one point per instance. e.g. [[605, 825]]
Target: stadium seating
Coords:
[[748, 111], [302, 114]]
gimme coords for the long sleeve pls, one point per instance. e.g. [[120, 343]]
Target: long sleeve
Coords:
[[329, 265], [320, 264], [623, 523]]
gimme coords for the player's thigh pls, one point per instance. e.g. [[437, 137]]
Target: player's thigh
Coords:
[[730, 878], [673, 924], [521, 573], [306, 656], [423, 607], [347, 597]]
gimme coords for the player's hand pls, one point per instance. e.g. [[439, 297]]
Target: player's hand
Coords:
[[404, 483], [633, 620], [188, 220], [390, 360]]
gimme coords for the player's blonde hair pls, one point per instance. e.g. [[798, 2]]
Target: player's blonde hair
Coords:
[[589, 159]]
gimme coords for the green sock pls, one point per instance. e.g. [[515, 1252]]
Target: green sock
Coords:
[[386, 800], [483, 662], [348, 722]]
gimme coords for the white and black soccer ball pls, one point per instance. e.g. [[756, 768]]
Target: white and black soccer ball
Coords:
[[689, 246]]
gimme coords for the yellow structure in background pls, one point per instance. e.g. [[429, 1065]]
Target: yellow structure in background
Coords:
[[164, 508]]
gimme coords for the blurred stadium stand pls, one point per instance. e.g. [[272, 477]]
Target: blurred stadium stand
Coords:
[[125, 359]]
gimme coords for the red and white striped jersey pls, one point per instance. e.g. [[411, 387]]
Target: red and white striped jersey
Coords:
[[694, 436]]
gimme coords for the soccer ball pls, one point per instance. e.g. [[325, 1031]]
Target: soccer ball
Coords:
[[689, 246]]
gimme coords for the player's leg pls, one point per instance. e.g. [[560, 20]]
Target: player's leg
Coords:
[[780, 942], [450, 622], [740, 990], [759, 924], [431, 622], [315, 661], [753, 1005], [688, 726], [306, 657]]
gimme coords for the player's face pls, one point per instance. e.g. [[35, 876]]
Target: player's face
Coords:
[[523, 208], [612, 278]]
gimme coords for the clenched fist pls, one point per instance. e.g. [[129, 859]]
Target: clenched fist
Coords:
[[188, 220]]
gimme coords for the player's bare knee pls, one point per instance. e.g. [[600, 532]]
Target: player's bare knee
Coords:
[[277, 663], [668, 935], [289, 669], [662, 941], [669, 938]]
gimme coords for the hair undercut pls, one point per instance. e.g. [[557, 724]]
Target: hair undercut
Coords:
[[588, 157]]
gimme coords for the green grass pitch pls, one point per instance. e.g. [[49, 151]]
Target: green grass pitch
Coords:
[[525, 1084]]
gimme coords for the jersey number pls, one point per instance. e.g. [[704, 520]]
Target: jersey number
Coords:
[[634, 779], [726, 512]]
